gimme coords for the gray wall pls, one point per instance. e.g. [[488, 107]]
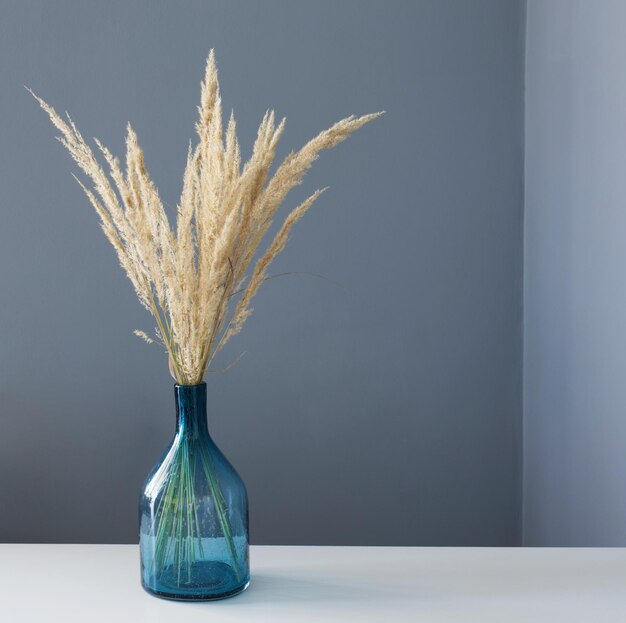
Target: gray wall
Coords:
[[575, 291], [387, 411]]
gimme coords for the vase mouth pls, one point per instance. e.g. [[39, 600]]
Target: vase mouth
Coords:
[[182, 386]]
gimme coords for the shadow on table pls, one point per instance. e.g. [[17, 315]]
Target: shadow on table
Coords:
[[276, 589]]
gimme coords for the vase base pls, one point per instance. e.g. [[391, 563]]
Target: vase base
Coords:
[[203, 580], [196, 597]]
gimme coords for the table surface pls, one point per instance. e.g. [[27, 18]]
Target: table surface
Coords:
[[93, 583]]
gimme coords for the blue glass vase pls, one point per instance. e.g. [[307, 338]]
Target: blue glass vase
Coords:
[[193, 513]]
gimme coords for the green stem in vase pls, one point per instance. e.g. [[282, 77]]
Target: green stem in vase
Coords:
[[218, 500], [178, 528]]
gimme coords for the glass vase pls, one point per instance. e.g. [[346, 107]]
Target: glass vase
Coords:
[[193, 513]]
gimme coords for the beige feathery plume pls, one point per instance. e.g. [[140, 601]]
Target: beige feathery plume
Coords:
[[259, 274], [188, 278], [143, 335]]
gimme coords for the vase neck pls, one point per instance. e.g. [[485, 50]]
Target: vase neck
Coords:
[[191, 410]]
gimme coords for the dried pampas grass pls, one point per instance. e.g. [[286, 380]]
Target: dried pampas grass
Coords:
[[188, 278]]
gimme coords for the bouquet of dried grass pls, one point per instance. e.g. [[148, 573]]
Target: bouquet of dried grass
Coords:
[[189, 279], [198, 282]]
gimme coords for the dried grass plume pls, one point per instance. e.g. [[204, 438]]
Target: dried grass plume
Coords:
[[198, 280]]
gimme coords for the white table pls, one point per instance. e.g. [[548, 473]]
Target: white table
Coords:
[[98, 583]]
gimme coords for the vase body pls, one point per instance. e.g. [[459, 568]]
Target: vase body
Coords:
[[193, 513]]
